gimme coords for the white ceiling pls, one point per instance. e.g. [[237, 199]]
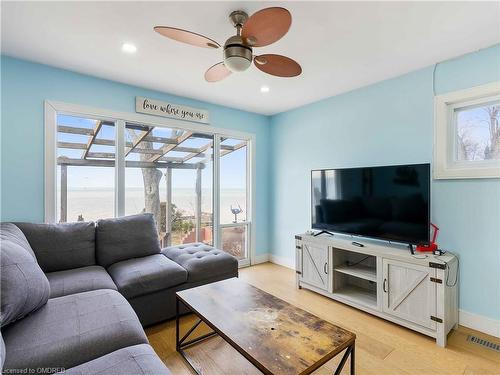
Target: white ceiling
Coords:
[[340, 45]]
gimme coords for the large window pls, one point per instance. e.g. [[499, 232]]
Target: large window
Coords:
[[467, 133], [103, 167]]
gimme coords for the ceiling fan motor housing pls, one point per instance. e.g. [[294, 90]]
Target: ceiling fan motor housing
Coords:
[[237, 55]]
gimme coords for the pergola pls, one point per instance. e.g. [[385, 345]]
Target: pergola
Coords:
[[152, 151]]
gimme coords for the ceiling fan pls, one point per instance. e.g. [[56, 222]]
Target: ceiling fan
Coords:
[[261, 29]]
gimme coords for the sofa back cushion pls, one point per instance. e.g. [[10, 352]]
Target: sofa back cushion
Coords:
[[62, 246], [24, 286], [125, 238]]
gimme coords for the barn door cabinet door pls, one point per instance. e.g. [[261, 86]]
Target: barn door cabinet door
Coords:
[[409, 292], [315, 265]]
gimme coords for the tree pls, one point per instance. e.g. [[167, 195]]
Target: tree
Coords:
[[151, 180], [492, 151]]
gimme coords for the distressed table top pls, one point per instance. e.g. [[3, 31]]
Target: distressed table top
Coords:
[[276, 337]]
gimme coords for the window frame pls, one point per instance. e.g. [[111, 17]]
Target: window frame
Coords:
[[445, 132], [54, 108]]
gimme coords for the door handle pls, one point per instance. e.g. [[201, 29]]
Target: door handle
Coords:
[[325, 268], [384, 286]]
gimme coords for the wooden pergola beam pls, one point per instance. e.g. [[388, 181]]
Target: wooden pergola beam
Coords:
[[97, 128], [129, 163], [109, 142], [151, 138], [72, 145], [187, 149], [139, 139], [73, 130], [234, 148], [100, 155], [167, 148], [171, 159], [200, 152]]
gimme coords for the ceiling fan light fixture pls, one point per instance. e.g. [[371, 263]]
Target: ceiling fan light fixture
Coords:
[[237, 63], [237, 56]]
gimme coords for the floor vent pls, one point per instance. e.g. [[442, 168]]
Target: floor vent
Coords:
[[487, 344]]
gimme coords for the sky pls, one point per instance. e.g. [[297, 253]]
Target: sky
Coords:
[[233, 165]]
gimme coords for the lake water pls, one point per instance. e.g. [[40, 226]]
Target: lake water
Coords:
[[94, 204]]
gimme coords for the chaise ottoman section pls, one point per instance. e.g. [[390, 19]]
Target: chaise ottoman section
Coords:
[[203, 263], [79, 280], [71, 330], [137, 359]]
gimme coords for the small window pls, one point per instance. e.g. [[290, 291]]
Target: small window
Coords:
[[467, 133]]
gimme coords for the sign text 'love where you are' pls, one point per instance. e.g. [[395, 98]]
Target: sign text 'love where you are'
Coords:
[[164, 109]]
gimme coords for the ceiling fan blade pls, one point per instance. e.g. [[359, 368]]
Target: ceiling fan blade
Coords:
[[266, 26], [277, 65], [185, 36], [217, 72]]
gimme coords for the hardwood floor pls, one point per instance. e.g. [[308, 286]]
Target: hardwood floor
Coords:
[[382, 348]]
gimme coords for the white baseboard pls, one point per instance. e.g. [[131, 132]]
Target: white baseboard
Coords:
[[261, 258], [282, 261], [479, 323]]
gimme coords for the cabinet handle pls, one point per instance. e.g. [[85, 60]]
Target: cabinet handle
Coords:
[[325, 268], [384, 286]]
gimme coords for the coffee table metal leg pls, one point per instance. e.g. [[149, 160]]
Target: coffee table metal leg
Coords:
[[353, 368], [349, 352], [181, 343], [177, 345]]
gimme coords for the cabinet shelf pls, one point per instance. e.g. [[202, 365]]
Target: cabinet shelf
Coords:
[[357, 294], [359, 270]]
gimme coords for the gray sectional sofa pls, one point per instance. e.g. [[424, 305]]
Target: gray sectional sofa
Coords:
[[74, 296]]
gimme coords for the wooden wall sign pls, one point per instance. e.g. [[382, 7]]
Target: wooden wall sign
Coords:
[[164, 109]]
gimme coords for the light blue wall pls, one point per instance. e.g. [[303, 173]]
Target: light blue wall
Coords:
[[387, 123], [391, 122], [24, 88]]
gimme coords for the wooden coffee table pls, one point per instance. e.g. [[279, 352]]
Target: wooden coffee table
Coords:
[[273, 335]]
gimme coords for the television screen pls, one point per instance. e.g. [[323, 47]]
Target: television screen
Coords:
[[388, 203]]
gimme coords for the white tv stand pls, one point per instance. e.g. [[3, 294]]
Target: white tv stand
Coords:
[[418, 292]]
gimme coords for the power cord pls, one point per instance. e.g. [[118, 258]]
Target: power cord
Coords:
[[448, 269], [354, 264]]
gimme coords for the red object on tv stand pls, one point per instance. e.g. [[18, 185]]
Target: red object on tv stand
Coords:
[[432, 245]]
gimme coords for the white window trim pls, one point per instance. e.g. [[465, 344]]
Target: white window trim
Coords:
[[53, 108], [444, 134]]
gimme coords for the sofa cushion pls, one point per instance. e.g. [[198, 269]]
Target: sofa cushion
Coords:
[[72, 330], [11, 232], [61, 246], [137, 359], [126, 237], [203, 262], [24, 286], [144, 275], [79, 280]]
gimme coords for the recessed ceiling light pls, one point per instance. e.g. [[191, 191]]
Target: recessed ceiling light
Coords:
[[129, 48], [264, 89]]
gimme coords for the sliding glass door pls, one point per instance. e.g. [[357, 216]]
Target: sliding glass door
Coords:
[[196, 184], [235, 220]]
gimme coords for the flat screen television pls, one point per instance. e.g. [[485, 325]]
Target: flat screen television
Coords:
[[387, 203]]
